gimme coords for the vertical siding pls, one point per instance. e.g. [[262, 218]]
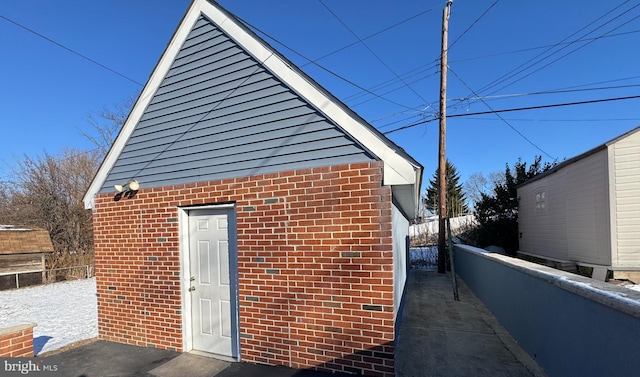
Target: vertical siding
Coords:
[[543, 233], [625, 222]]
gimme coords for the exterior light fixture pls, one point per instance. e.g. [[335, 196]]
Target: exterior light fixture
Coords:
[[129, 186]]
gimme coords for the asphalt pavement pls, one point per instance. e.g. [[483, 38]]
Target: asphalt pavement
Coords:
[[109, 359], [438, 337]]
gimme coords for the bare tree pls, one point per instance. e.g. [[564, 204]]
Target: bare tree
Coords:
[[478, 184], [106, 125], [47, 192]]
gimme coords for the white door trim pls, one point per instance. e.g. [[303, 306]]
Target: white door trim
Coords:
[[185, 274]]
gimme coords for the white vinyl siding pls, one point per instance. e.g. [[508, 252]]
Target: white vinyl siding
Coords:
[[587, 210], [625, 178], [543, 233], [592, 208], [574, 224]]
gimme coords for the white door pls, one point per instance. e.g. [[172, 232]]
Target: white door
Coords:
[[212, 277]]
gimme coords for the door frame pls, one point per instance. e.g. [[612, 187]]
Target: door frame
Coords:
[[185, 275]]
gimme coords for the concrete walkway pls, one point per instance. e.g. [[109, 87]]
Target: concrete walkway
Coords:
[[443, 337]]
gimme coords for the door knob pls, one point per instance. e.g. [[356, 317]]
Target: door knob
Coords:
[[192, 289]]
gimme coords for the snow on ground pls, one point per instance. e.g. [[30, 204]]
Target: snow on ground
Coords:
[[425, 257], [635, 287], [64, 312], [430, 225]]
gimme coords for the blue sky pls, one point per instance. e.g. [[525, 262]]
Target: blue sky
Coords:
[[47, 92]]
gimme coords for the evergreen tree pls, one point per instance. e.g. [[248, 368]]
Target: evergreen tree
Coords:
[[456, 199], [497, 213]]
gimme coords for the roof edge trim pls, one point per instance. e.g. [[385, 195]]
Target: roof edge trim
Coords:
[[153, 83], [581, 156], [400, 169]]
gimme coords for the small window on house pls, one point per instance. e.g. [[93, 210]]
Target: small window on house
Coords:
[[541, 202]]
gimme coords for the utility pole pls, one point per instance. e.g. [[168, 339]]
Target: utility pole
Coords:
[[442, 159]]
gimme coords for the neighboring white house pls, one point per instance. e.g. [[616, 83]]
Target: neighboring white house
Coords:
[[587, 209]]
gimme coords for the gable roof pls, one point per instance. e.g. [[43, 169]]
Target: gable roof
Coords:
[[581, 156], [357, 138], [24, 241]]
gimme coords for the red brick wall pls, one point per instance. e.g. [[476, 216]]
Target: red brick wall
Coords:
[[17, 341], [315, 266]]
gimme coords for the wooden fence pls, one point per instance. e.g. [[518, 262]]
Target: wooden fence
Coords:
[[25, 279]]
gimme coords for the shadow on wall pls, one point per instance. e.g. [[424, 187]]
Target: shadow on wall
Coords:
[[129, 194], [356, 364], [378, 360]]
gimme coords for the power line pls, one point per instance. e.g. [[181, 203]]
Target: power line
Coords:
[[396, 114], [471, 26], [565, 55], [370, 36], [322, 67], [388, 82], [603, 82], [426, 104], [414, 72], [606, 35], [547, 106], [371, 51], [215, 106], [512, 74], [473, 23], [563, 120], [502, 119], [540, 57], [551, 91], [546, 46], [421, 115], [515, 109], [555, 91], [71, 50], [50, 40]]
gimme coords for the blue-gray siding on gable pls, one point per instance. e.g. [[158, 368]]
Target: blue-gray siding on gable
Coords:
[[219, 114]]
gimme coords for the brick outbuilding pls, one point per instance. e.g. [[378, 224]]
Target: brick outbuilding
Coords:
[[256, 218]]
